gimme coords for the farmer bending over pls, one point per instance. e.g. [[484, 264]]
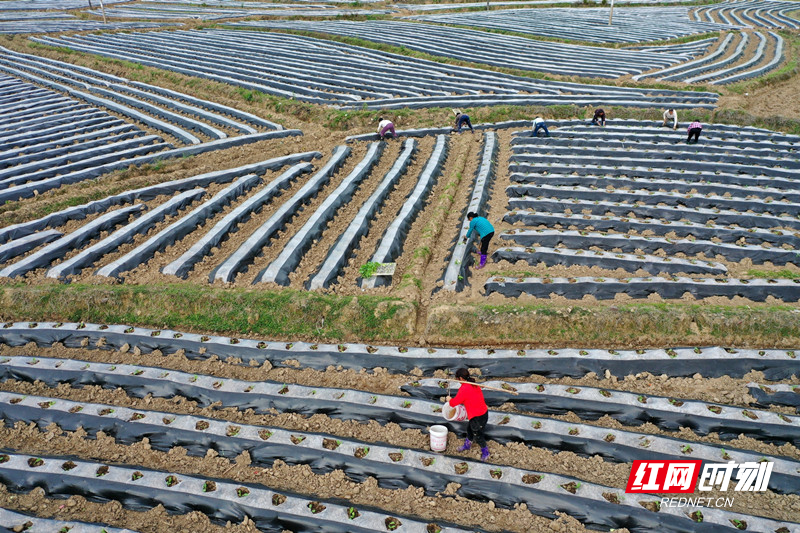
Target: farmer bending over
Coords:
[[671, 115], [461, 119], [385, 127], [599, 118], [477, 412], [485, 230], [694, 131], [540, 124]]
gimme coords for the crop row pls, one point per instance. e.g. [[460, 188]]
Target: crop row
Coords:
[[708, 361], [328, 72], [493, 48], [461, 256], [631, 25], [614, 445], [767, 56], [749, 13], [17, 238], [543, 493]]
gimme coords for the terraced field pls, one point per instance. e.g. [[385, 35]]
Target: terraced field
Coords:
[[195, 219]]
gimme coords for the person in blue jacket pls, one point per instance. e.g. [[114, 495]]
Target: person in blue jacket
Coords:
[[486, 232]]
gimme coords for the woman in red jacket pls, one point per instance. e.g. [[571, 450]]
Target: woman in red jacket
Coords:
[[477, 412]]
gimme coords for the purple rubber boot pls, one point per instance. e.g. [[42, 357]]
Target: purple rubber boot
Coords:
[[484, 453], [483, 262], [466, 446]]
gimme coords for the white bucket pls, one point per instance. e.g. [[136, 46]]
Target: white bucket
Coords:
[[454, 414], [438, 438]]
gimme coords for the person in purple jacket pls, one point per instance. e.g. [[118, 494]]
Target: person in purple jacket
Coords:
[[485, 229]]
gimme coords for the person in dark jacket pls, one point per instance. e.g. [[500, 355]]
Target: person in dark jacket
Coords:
[[471, 396], [599, 118], [461, 120]]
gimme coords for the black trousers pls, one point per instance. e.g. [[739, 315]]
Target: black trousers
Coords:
[[475, 429], [694, 132], [485, 243]]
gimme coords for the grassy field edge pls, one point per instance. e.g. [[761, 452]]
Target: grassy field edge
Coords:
[[296, 315]]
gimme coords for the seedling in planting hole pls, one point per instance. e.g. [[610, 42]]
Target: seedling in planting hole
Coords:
[[672, 353], [396, 456], [406, 404], [540, 388], [685, 449], [278, 499], [571, 487], [33, 361], [47, 405], [139, 416], [331, 444], [715, 409], [373, 399], [217, 384], [65, 529], [392, 523], [102, 471], [496, 473], [340, 396], [583, 352], [749, 414], [67, 466], [645, 443], [739, 524], [427, 461], [297, 439], [604, 393], [167, 420], [209, 486], [136, 475], [641, 398], [697, 516], [232, 431], [171, 481], [725, 456], [676, 403], [536, 425], [316, 507], [461, 468], [611, 497], [283, 390], [242, 492], [506, 419], [201, 425], [361, 452], [573, 431], [193, 378], [106, 411], [573, 390]]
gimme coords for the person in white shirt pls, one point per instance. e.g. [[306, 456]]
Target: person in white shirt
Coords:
[[671, 114], [385, 127], [539, 123]]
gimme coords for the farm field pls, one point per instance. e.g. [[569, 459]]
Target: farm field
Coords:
[[226, 304]]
